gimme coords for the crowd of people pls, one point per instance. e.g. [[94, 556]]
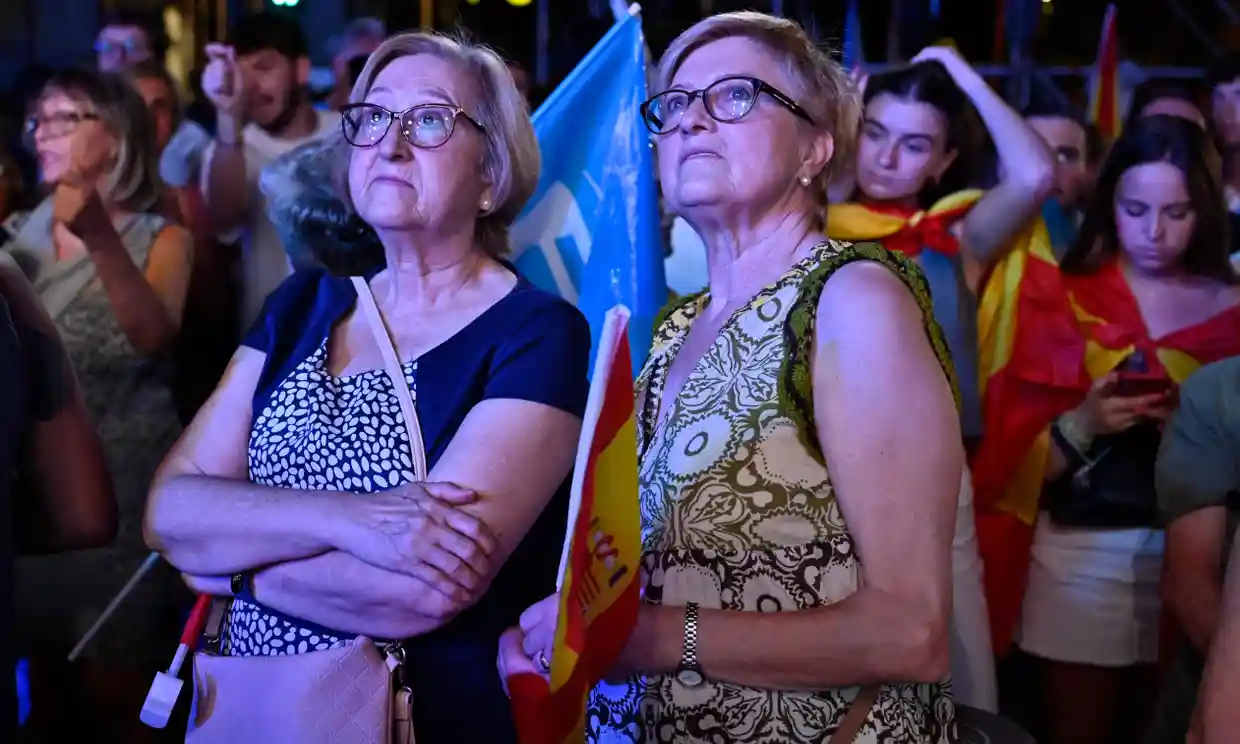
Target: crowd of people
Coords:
[[942, 419]]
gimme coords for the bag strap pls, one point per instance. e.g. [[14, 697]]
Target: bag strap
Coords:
[[854, 719], [396, 373]]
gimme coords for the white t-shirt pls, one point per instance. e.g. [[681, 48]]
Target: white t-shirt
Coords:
[[264, 263]]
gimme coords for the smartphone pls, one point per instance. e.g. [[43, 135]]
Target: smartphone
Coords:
[[1132, 385]]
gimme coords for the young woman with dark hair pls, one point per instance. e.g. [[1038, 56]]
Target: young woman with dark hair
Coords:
[[1067, 513], [914, 158]]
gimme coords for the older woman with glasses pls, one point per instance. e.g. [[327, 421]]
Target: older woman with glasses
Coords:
[[799, 446], [386, 455]]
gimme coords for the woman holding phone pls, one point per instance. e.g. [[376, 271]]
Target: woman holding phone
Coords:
[[1065, 474]]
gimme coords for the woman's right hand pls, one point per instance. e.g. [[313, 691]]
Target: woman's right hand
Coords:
[[1103, 412], [419, 529]]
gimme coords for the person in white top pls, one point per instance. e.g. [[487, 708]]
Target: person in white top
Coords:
[[257, 84]]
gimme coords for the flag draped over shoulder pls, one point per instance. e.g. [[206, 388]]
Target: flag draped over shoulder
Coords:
[[1044, 337], [1022, 291], [591, 230], [904, 232], [1104, 99], [600, 591]]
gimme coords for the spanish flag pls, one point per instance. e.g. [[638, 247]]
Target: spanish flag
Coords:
[[600, 588], [1044, 337], [1104, 108], [1022, 292], [907, 232]]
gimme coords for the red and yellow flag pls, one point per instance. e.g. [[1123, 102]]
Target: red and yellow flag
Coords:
[[1043, 338], [907, 232], [1104, 97], [600, 588]]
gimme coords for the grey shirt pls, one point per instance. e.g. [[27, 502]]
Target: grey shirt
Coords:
[[955, 309], [1198, 466]]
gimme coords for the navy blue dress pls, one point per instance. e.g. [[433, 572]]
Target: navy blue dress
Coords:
[[315, 431]]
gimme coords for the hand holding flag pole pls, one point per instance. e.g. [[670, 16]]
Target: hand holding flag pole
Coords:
[[550, 666]]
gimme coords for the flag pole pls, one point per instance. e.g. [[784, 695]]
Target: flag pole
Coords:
[[130, 585], [589, 424]]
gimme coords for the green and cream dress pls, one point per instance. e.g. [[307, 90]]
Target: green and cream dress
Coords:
[[738, 512]]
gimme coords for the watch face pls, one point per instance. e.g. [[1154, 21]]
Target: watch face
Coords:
[[689, 677]]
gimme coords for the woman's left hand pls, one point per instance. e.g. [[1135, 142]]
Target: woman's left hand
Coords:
[[944, 55], [538, 631], [512, 660]]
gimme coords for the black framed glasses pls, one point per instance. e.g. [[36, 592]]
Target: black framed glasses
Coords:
[[728, 99], [425, 126], [58, 124]]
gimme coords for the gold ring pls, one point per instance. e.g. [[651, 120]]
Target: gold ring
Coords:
[[542, 662]]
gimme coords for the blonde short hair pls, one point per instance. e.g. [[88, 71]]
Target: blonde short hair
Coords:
[[511, 162], [823, 88], [133, 182]]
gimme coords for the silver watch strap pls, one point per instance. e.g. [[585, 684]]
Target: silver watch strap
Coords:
[[688, 657]]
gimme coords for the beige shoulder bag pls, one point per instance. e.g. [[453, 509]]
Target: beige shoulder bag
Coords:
[[353, 694]]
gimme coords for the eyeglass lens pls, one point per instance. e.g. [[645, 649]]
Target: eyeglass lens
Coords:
[[725, 100], [55, 125], [421, 126]]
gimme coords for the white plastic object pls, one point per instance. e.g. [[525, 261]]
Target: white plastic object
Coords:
[[161, 700]]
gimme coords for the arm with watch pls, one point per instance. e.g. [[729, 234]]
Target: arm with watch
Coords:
[[879, 397]]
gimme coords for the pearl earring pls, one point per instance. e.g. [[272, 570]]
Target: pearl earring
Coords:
[[486, 205], [805, 180]]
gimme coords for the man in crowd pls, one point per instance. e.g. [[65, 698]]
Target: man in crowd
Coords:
[[1197, 475], [1225, 123], [257, 84], [361, 37], [1217, 719], [128, 38], [1067, 137]]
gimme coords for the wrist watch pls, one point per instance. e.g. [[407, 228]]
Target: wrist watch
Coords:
[[689, 673]]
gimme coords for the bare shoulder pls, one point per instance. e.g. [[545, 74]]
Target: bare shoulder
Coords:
[[865, 296], [174, 238]]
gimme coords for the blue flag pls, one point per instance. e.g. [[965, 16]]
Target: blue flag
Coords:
[[591, 231], [854, 51]]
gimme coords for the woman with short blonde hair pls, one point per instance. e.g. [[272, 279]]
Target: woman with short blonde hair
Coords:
[[510, 161], [454, 497], [797, 434]]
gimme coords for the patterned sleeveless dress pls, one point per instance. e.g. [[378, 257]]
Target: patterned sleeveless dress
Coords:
[[738, 512], [128, 399]]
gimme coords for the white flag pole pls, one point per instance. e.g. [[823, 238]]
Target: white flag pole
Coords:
[[134, 580], [614, 323]]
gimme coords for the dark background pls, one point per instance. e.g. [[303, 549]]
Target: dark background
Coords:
[[1153, 32]]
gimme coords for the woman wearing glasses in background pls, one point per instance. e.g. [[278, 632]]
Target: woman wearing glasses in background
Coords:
[[799, 445], [436, 157], [112, 276]]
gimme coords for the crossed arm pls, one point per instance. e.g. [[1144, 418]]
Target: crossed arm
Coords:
[[210, 522]]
